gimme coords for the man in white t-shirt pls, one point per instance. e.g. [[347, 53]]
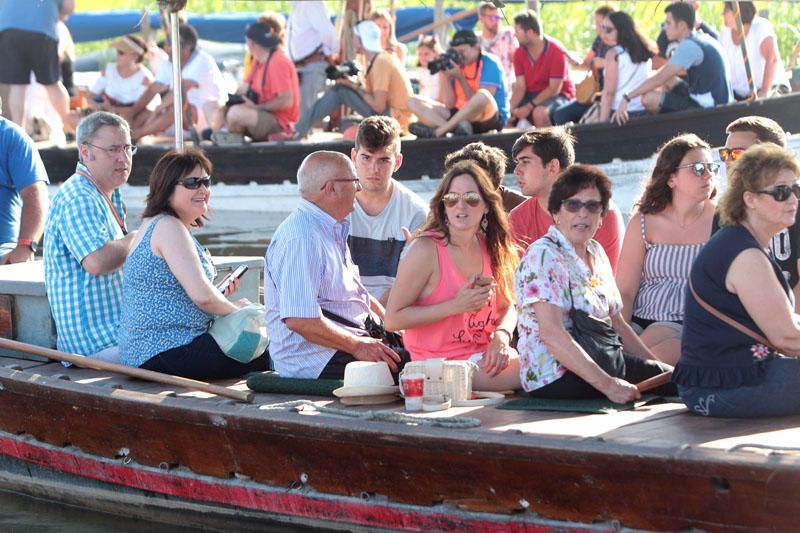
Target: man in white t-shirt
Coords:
[[384, 206], [202, 81]]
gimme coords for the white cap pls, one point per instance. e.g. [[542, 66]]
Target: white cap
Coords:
[[370, 35]]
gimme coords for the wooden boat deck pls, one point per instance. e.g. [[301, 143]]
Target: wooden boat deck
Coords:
[[656, 467]]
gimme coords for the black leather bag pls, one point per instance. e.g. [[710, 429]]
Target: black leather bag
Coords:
[[599, 340]]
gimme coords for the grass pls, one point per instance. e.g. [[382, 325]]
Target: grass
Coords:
[[569, 22]]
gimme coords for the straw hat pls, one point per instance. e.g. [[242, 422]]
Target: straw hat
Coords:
[[366, 378]]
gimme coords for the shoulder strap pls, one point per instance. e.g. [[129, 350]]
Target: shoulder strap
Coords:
[[728, 320]]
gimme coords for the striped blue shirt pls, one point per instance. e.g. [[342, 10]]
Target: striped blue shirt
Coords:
[[85, 307], [308, 268]]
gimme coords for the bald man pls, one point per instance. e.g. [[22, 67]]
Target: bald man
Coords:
[[312, 287]]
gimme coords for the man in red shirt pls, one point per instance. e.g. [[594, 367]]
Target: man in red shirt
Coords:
[[542, 70], [540, 156]]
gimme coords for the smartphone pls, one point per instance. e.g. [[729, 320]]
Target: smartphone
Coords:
[[236, 274], [482, 281]]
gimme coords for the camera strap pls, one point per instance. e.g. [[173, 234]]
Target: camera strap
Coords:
[[371, 62]]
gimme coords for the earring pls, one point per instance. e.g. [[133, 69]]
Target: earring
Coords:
[[484, 223]]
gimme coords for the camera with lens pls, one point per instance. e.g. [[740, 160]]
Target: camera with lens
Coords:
[[348, 68], [443, 62]]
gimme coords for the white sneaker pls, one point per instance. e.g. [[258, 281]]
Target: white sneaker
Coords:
[[524, 124]]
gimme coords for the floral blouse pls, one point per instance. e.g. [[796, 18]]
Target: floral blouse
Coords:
[[547, 271]]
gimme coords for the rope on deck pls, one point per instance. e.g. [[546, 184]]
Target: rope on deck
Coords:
[[767, 447], [455, 422]]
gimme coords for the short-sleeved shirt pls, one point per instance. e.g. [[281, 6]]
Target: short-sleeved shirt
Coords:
[[760, 30], [486, 72], [376, 242], [20, 166], [308, 268], [707, 71], [502, 46], [85, 307], [551, 272], [37, 16], [552, 64], [201, 69], [386, 74], [280, 77], [530, 221]]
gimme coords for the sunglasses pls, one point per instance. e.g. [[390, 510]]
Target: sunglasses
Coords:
[[493, 18], [195, 182], [700, 168], [607, 29], [781, 193], [730, 154], [573, 206], [451, 199]]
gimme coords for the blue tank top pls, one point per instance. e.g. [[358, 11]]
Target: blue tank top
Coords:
[[157, 314], [714, 354]]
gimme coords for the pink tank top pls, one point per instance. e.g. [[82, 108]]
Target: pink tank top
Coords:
[[457, 336]]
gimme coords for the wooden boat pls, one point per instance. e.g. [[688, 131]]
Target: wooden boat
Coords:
[[269, 163]]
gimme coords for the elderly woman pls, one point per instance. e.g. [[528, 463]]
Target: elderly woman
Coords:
[[453, 292], [668, 229], [168, 300], [566, 272], [724, 369]]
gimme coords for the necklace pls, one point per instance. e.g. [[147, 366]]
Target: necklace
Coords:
[[695, 219]]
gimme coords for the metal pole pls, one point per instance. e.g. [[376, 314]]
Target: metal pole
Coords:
[[743, 46], [177, 89]]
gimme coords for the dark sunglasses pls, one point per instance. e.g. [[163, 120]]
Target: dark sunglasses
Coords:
[[573, 206], [607, 29], [451, 199], [730, 154], [781, 193], [194, 182], [700, 168]]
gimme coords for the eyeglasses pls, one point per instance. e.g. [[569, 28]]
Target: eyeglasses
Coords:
[[355, 181], [451, 199], [731, 154], [781, 193], [573, 205], [493, 18], [194, 182], [127, 149], [700, 168], [607, 29]]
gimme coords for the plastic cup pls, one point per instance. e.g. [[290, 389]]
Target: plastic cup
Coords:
[[413, 386]]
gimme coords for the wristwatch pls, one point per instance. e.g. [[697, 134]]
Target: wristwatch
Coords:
[[29, 243], [626, 97]]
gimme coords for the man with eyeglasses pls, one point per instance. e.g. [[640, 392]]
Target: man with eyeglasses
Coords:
[[88, 240], [312, 289], [540, 156], [497, 39], [743, 133], [23, 194]]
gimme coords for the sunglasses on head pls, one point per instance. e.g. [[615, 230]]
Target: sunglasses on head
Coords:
[[607, 29], [194, 182], [700, 168], [781, 193], [730, 154], [451, 199], [573, 205]]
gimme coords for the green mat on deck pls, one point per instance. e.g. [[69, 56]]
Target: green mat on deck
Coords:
[[599, 405], [272, 382]]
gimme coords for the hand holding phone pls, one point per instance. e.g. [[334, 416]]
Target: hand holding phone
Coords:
[[482, 281], [236, 274]]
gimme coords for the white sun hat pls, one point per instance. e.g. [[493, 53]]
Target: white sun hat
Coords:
[[366, 378]]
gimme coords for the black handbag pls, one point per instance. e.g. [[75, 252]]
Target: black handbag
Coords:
[[374, 328]]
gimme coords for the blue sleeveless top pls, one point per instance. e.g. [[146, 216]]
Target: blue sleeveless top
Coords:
[[714, 354], [157, 314]]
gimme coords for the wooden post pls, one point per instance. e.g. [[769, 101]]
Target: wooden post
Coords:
[[743, 46], [438, 15], [533, 5]]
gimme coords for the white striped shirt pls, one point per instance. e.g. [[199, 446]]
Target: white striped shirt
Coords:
[[308, 268], [85, 307]]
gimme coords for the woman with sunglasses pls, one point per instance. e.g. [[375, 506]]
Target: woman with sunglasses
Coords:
[[741, 339], [568, 270], [671, 223], [627, 64], [453, 293], [168, 299]]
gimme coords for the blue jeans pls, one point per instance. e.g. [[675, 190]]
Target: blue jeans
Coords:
[[569, 112], [778, 394], [333, 98]]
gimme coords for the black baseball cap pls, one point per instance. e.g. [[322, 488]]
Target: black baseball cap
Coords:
[[464, 37]]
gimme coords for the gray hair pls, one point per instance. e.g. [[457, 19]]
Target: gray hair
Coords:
[[320, 167], [87, 128]]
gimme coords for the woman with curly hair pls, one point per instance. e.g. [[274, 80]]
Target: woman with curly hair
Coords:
[[453, 294], [670, 225]]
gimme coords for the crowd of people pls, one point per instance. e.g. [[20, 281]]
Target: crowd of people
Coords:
[[479, 273], [480, 81]]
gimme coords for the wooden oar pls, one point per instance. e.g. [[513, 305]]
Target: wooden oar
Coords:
[[139, 373], [655, 381]]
